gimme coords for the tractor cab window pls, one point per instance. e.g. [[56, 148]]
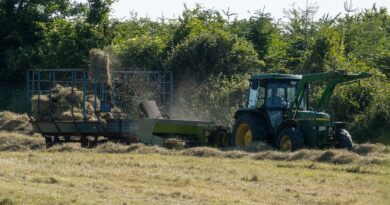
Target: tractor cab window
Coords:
[[256, 94], [280, 94], [276, 95]]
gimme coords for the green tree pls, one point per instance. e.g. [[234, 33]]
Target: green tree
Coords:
[[327, 53], [300, 30], [145, 53], [212, 53], [20, 31]]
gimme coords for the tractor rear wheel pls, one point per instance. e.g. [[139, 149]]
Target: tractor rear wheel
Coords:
[[248, 129], [290, 139], [343, 139]]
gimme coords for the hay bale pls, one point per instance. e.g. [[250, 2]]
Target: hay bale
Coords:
[[100, 66], [44, 103], [65, 98], [14, 122], [77, 115], [117, 113], [202, 152], [107, 116]]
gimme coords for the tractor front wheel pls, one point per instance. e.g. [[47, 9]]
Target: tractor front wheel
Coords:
[[343, 139], [290, 139]]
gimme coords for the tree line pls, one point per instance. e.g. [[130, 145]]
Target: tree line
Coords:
[[211, 48]]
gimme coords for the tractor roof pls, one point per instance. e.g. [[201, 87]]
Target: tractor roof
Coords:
[[275, 76]]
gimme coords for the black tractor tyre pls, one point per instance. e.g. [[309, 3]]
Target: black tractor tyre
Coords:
[[290, 139], [343, 139], [48, 142], [84, 142], [256, 125], [221, 138]]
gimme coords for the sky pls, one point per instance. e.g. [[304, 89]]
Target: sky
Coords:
[[173, 8]]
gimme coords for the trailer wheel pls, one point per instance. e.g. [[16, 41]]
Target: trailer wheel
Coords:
[[83, 141], [343, 139], [290, 139], [48, 142], [248, 129]]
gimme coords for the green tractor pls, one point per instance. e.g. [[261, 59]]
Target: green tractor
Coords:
[[277, 111]]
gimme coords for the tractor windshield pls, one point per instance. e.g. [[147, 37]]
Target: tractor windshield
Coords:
[[256, 94], [280, 94]]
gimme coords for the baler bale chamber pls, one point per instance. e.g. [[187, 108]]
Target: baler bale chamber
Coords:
[[76, 105]]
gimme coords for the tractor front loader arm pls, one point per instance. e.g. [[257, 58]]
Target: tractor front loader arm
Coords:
[[332, 79]]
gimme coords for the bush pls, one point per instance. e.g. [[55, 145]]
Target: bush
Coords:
[[365, 106]]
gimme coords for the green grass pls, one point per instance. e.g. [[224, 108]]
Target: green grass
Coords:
[[139, 174], [43, 177]]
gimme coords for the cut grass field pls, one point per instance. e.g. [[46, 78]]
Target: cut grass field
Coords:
[[113, 174]]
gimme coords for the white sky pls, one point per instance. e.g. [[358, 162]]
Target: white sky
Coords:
[[170, 8]]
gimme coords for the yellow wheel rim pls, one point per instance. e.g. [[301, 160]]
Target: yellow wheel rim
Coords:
[[285, 143], [244, 135]]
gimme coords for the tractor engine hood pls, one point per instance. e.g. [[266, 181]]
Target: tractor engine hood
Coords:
[[312, 115]]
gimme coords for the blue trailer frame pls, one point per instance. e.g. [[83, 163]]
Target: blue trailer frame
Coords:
[[39, 82]]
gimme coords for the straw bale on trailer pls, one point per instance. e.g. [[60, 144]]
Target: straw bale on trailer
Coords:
[[77, 115], [40, 105], [65, 97], [99, 66], [60, 104], [65, 104]]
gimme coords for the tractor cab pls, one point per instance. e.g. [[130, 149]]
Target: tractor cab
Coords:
[[272, 95], [273, 91]]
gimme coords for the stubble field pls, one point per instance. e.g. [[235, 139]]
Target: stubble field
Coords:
[[138, 174]]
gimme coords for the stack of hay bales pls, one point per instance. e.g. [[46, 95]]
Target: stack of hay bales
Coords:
[[66, 104], [14, 122], [63, 101]]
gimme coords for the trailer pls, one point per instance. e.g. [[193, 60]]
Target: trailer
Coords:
[[153, 127]]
